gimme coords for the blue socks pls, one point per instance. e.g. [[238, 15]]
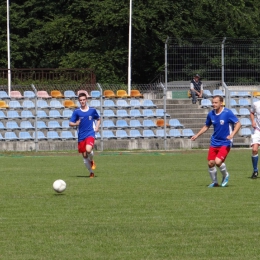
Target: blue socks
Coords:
[[255, 162]]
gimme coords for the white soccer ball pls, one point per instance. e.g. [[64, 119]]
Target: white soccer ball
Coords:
[[59, 186]]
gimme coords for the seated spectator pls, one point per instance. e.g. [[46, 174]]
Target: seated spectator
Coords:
[[196, 89]]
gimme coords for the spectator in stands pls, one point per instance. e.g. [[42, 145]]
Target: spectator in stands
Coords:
[[196, 89], [87, 120], [223, 121]]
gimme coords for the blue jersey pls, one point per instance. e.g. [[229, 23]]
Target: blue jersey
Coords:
[[87, 122], [223, 124]]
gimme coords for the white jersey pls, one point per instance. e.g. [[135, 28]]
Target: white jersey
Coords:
[[255, 109]]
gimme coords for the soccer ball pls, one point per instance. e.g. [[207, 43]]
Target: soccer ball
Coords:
[[59, 186]]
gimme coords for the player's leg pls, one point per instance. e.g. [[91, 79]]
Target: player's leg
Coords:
[[194, 97], [220, 159], [254, 159], [212, 168], [89, 149]]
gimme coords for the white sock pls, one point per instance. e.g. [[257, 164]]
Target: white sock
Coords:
[[223, 169], [90, 156], [213, 174], [87, 164]]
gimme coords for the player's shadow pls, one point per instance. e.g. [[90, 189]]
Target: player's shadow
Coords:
[[58, 194], [84, 176]]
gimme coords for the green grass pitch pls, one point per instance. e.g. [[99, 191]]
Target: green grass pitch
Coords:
[[139, 206]]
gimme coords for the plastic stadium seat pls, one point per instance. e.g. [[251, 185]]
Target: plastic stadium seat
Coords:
[[122, 113], [53, 135], [121, 123], [67, 135], [122, 103], [134, 133], [175, 123], [16, 94], [218, 92], [233, 94], [147, 103], [206, 103], [56, 94], [10, 136], [40, 135], [243, 102], [244, 112], [66, 113], [244, 94], [65, 124], [108, 134], [245, 122], [135, 123], [1, 137], [42, 114], [148, 113], [160, 123], [3, 104], [83, 91], [12, 125], [2, 127], [256, 93], [245, 132], [95, 94], [234, 111], [43, 94], [28, 104], [135, 103], [4, 95], [121, 134], [160, 113], [147, 123], [13, 115], [29, 94], [108, 124], [2, 115], [160, 133], [122, 94], [94, 103], [26, 125], [233, 103], [175, 133], [135, 113], [207, 92], [70, 94], [109, 113], [109, 104], [27, 114], [188, 133], [42, 104], [136, 94], [69, 104], [56, 104], [148, 133], [98, 136], [53, 124], [25, 136], [41, 125], [109, 94], [55, 114]]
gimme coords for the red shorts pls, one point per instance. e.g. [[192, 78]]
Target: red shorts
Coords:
[[220, 152], [82, 144]]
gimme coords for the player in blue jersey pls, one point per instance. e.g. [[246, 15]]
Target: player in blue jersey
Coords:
[[87, 120], [225, 125]]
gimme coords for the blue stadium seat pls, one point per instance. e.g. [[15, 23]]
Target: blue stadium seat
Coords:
[[13, 115], [148, 133], [233, 103], [122, 103], [53, 124], [53, 135], [27, 114], [12, 125], [4, 95], [233, 94], [175, 123], [1, 137], [40, 135], [135, 113], [28, 104], [147, 123], [2, 127], [218, 92], [175, 133], [56, 104], [29, 94], [41, 125], [187, 133], [108, 124], [244, 112], [108, 134], [42, 114], [244, 94], [26, 125], [95, 94], [94, 103], [10, 136], [148, 113], [41, 104], [206, 103], [160, 133], [25, 136], [245, 132], [67, 135], [121, 134], [97, 135], [65, 124], [207, 92], [2, 115], [134, 133], [135, 123], [55, 114], [122, 113], [245, 122], [14, 104], [135, 103], [108, 103], [69, 94], [243, 102], [147, 103], [234, 111], [66, 113], [109, 113], [160, 113], [121, 123]]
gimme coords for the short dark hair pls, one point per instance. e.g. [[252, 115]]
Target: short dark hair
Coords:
[[220, 98], [82, 95]]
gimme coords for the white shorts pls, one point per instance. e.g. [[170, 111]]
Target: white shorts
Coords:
[[255, 138]]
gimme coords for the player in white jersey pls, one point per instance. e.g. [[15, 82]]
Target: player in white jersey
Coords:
[[255, 138], [226, 125]]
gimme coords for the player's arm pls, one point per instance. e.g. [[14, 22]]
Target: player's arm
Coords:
[[74, 124], [97, 125], [202, 131], [74, 121], [252, 118], [236, 129]]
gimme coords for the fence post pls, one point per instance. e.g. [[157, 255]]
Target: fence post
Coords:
[[223, 61], [164, 112], [35, 121], [101, 116]]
